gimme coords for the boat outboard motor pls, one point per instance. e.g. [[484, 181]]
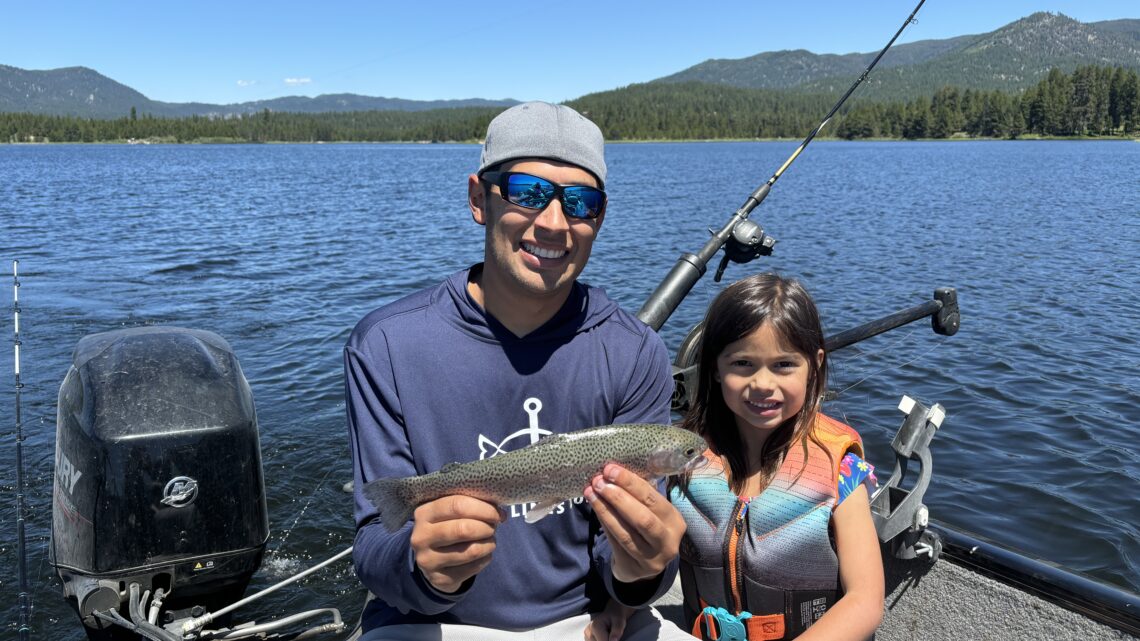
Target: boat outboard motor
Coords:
[[158, 478]]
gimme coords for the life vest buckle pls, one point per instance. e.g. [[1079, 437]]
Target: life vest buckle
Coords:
[[722, 625]]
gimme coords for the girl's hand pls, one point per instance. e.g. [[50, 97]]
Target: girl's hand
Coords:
[[609, 624]]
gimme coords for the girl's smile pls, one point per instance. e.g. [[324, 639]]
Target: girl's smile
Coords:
[[765, 409]]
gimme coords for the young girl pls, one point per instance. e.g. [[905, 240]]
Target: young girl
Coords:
[[779, 534]]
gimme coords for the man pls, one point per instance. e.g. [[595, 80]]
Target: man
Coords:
[[492, 359]]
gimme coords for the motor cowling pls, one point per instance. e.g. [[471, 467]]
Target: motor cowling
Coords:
[[158, 477]]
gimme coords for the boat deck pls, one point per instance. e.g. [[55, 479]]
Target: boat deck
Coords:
[[944, 600], [947, 601]]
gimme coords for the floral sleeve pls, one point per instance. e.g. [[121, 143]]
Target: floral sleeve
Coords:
[[853, 472]]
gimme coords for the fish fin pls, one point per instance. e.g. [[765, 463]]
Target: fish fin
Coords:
[[390, 497], [541, 510]]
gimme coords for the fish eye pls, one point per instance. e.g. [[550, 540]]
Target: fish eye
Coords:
[[691, 451]]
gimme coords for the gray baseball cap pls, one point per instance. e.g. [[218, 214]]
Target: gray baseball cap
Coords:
[[543, 130]]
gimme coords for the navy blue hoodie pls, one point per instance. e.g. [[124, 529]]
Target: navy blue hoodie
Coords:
[[433, 379]]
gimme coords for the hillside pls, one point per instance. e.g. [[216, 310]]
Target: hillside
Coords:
[[79, 91], [1011, 58], [73, 91]]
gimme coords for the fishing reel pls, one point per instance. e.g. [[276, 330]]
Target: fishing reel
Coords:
[[747, 242]]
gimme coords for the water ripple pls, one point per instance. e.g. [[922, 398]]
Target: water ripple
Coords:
[[282, 248]]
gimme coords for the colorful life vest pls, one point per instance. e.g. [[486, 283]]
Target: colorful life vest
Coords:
[[764, 568]]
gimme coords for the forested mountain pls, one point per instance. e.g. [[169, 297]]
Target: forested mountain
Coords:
[[1011, 59], [1014, 57], [79, 91], [695, 111], [343, 102], [1128, 28], [68, 91], [1090, 102]]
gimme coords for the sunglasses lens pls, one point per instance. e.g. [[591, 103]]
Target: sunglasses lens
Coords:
[[582, 202], [533, 192], [529, 191]]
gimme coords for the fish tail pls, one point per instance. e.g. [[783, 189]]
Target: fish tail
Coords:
[[391, 498]]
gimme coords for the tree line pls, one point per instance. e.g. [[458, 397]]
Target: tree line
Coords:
[[440, 124], [1091, 101]]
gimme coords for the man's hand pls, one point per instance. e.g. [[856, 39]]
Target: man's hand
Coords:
[[453, 538], [609, 624], [643, 527]]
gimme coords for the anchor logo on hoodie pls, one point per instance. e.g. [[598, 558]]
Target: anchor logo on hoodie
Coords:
[[488, 448], [532, 406]]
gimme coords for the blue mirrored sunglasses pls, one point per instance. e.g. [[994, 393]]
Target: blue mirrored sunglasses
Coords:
[[532, 192]]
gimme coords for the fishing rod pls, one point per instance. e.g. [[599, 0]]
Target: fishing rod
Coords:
[[21, 550], [743, 240]]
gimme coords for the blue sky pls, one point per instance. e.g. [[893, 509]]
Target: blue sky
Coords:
[[225, 52]]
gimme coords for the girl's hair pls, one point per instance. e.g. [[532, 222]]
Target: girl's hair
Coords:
[[740, 309]]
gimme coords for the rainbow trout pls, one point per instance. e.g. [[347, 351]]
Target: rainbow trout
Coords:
[[555, 469]]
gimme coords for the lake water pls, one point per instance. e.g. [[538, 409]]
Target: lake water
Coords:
[[280, 249]]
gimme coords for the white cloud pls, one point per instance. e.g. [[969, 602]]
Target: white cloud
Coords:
[[246, 83], [298, 81]]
